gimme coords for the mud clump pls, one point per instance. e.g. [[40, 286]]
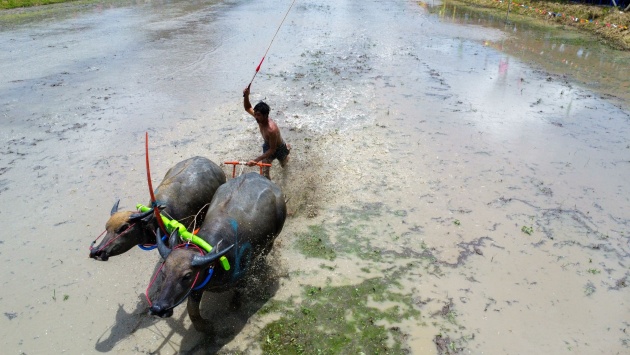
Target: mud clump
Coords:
[[445, 346]]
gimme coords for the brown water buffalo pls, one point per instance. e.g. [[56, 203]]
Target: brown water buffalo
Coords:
[[246, 215], [185, 193]]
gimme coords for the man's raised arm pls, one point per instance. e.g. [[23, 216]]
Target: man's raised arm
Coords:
[[246, 104]]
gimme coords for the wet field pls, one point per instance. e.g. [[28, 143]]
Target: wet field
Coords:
[[453, 187], [583, 58]]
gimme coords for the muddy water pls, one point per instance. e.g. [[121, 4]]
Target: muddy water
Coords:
[[583, 58], [483, 192]]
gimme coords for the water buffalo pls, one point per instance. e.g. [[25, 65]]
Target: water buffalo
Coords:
[[246, 215], [185, 192]]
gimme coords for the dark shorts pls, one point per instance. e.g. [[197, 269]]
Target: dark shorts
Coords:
[[281, 152]]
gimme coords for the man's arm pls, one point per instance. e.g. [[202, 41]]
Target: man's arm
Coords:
[[246, 104]]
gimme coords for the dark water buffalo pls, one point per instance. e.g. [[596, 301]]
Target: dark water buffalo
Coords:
[[186, 191], [246, 215]]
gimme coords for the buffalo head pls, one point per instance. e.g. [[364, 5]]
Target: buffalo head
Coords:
[[182, 267], [124, 230]]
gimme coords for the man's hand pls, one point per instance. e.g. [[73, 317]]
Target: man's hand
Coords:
[[246, 104], [252, 163]]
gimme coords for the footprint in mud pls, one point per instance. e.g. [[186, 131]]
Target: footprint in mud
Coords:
[[4, 185], [10, 315]]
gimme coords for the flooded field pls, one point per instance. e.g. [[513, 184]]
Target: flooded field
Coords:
[[448, 191]]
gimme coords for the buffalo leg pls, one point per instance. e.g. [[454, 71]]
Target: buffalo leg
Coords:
[[201, 325]]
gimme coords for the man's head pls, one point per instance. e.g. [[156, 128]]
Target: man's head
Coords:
[[262, 108]]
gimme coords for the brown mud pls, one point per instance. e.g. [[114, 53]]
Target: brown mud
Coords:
[[467, 200]]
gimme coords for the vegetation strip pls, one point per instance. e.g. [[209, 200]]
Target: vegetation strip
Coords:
[[13, 4], [617, 37], [561, 14]]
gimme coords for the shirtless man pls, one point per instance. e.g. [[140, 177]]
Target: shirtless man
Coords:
[[274, 146]]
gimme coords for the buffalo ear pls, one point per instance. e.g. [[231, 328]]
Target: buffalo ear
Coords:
[[140, 216], [147, 219], [115, 208]]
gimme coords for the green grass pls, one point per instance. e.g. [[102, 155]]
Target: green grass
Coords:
[[19, 12], [337, 320], [362, 317], [593, 271], [12, 4], [316, 244]]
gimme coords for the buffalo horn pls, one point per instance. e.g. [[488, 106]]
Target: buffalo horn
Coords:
[[115, 208], [174, 239], [137, 216], [208, 258], [163, 249]]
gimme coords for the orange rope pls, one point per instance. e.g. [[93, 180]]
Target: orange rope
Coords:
[[267, 51]]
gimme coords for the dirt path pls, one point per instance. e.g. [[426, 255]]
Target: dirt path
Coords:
[[444, 197]]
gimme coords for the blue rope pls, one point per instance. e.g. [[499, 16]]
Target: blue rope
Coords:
[[211, 270], [203, 284], [152, 246]]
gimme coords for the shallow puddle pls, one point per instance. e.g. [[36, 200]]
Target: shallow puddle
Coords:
[[586, 59]]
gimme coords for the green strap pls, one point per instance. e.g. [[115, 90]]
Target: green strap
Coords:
[[172, 225]]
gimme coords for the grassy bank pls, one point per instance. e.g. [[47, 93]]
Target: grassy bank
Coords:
[[608, 23], [12, 4]]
